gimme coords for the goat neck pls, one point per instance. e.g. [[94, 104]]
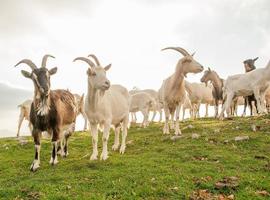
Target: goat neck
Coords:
[[41, 103], [94, 97]]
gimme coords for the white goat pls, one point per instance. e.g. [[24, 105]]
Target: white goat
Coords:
[[199, 93], [24, 114], [154, 109], [187, 105], [80, 108], [254, 82], [142, 102], [105, 105], [172, 91]]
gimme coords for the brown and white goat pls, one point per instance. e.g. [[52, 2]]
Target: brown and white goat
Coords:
[[53, 111]]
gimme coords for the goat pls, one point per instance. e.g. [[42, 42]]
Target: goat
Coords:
[[143, 102], [105, 105], [157, 107], [80, 108], [199, 93], [53, 111], [217, 82], [249, 65], [187, 105], [24, 114], [172, 91], [254, 82]]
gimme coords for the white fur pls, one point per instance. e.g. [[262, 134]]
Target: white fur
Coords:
[[254, 82]]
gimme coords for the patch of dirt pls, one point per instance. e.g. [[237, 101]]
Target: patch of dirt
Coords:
[[206, 195], [227, 182], [263, 193]]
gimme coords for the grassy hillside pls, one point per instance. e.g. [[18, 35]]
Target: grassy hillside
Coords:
[[154, 166]]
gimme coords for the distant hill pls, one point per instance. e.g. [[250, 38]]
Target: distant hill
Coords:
[[12, 96]]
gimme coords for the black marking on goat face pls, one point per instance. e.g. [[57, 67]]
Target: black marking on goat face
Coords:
[[249, 64], [41, 78]]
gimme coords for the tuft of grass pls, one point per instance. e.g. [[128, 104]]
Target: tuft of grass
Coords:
[[153, 167]]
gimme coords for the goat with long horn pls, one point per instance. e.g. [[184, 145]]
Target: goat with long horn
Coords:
[[106, 105], [53, 111], [172, 91]]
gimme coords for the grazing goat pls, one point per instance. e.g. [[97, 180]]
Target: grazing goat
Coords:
[[249, 65], [53, 111], [105, 105], [254, 82], [143, 102], [80, 108], [24, 114], [172, 91], [199, 93]]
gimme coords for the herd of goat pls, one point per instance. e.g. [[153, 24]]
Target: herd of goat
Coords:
[[107, 106]]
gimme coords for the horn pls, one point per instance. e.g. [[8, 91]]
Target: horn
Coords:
[[193, 53], [255, 59], [95, 58], [44, 60], [28, 62], [89, 62], [179, 49]]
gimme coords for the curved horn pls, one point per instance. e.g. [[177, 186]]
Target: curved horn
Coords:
[[95, 58], [193, 53], [179, 49], [255, 59], [89, 62], [44, 60], [28, 62]]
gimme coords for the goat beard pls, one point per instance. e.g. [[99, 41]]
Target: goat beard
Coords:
[[43, 106]]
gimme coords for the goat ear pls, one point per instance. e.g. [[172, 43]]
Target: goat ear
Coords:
[[107, 67], [255, 59], [209, 69], [53, 71], [26, 74]]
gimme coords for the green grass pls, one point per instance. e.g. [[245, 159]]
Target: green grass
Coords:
[[153, 167]]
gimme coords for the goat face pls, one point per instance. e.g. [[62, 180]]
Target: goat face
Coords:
[[250, 64], [41, 79], [40, 76], [97, 77], [191, 65], [206, 77]]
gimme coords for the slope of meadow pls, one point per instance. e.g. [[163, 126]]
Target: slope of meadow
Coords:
[[153, 167]]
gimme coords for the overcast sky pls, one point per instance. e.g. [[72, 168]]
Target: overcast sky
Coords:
[[129, 34]]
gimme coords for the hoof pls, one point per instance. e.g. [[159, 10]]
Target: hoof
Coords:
[[178, 133], [115, 147], [93, 157], [122, 149], [34, 166], [104, 156], [53, 161]]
